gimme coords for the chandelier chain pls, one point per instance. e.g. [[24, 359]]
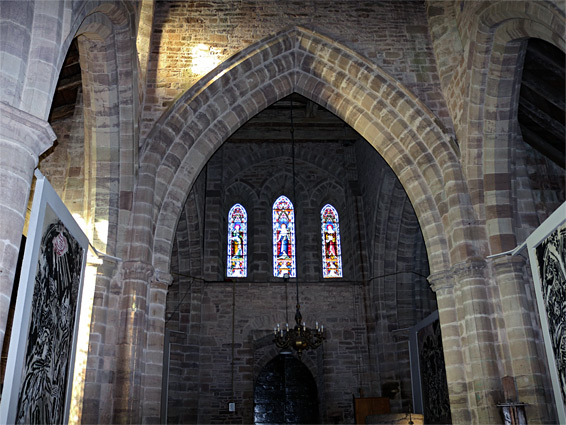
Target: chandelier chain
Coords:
[[299, 337]]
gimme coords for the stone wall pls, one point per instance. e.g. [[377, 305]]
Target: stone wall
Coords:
[[203, 379], [210, 320], [393, 35], [64, 164], [472, 198]]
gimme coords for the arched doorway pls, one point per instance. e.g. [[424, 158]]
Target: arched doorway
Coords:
[[285, 393]]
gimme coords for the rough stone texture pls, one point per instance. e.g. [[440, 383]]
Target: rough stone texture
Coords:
[[395, 37], [23, 137], [200, 376], [374, 65], [394, 297]]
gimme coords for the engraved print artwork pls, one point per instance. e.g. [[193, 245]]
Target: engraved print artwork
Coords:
[[551, 256], [42, 394], [433, 375]]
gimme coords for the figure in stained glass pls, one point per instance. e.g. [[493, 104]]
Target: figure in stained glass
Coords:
[[330, 241], [331, 251], [283, 246], [237, 242], [283, 238]]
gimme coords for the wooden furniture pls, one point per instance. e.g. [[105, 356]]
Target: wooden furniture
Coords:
[[368, 406]]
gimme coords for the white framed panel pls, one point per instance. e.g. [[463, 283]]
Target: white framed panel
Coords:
[[41, 358], [414, 360], [547, 256]]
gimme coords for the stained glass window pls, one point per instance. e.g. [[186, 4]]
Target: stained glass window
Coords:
[[283, 238], [237, 242], [331, 251]]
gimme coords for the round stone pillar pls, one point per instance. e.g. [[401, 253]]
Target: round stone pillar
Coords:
[[466, 320], [130, 346], [443, 285], [153, 376], [522, 356], [23, 137], [139, 350]]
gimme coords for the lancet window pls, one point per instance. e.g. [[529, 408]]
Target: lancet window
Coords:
[[237, 262], [284, 260], [331, 250]]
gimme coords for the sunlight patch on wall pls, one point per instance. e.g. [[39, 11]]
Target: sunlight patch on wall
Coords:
[[83, 337], [205, 58]]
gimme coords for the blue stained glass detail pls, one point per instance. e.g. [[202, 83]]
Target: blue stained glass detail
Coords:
[[237, 260], [284, 261], [331, 250]]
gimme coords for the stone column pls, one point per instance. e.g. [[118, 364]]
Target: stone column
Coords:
[[139, 363], [152, 379], [23, 137], [443, 285], [466, 316], [523, 359], [131, 343], [479, 339]]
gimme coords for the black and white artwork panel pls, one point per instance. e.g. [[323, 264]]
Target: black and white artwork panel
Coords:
[[551, 256], [39, 373], [45, 375], [428, 371], [436, 403], [547, 254]]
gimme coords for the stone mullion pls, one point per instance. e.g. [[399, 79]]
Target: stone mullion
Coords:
[[132, 339], [23, 137], [524, 361]]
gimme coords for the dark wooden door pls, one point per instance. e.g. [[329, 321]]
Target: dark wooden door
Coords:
[[285, 393]]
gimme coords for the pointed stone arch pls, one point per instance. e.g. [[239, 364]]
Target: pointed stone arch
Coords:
[[492, 112], [500, 33], [103, 30], [400, 127]]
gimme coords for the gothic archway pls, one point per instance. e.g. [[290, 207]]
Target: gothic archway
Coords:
[[389, 117]]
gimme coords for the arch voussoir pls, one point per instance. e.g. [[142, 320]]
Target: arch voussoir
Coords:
[[299, 60]]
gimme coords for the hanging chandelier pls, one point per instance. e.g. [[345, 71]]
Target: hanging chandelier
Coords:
[[299, 338]]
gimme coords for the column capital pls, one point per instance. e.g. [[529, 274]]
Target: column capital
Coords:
[[161, 280], [469, 269], [23, 128], [508, 262], [137, 270], [472, 268], [441, 280]]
